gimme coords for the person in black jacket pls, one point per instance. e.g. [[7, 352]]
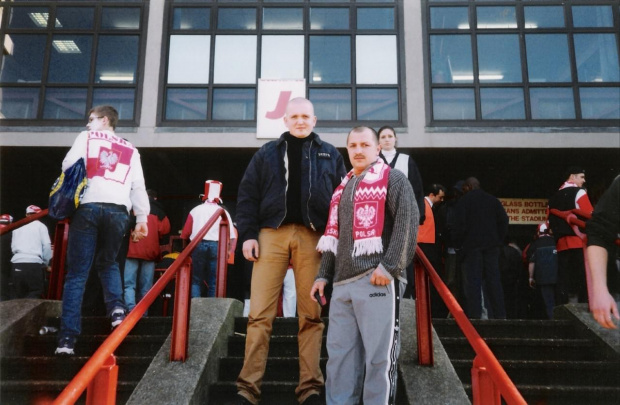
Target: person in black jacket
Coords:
[[282, 210]]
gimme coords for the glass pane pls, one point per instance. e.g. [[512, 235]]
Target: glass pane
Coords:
[[279, 64], [117, 59], [543, 16], [600, 103], [233, 104], [23, 58], [374, 1], [65, 104], [236, 18], [592, 16], [121, 99], [331, 104], [375, 59], [188, 61], [597, 57], [75, 17], [499, 60], [70, 59], [19, 103], [375, 18], [449, 17], [186, 104], [235, 59], [454, 104], [28, 17], [329, 18], [502, 104], [120, 18], [496, 17], [330, 59], [186, 18], [451, 60], [283, 18], [377, 104], [547, 58], [552, 103]]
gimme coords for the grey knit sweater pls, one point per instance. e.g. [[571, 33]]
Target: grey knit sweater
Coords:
[[399, 235]]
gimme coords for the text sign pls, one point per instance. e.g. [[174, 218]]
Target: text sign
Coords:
[[525, 211], [273, 96]]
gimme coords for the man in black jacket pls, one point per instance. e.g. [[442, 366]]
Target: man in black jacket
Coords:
[[282, 209]]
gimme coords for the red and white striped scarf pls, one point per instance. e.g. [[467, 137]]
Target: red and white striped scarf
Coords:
[[368, 212]]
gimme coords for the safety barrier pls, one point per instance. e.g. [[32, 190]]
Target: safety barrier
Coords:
[[490, 382], [100, 372]]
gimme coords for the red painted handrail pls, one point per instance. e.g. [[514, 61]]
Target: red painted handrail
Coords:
[[17, 224], [78, 384], [485, 362]]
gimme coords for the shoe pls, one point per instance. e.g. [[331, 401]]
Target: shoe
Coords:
[[314, 399], [241, 400], [118, 316], [65, 346]]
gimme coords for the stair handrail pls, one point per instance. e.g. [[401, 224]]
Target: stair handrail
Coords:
[[26, 220], [180, 322], [492, 378]]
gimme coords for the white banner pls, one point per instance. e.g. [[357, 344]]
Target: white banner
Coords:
[[273, 96]]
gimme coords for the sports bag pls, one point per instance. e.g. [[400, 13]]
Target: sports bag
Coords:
[[67, 191]]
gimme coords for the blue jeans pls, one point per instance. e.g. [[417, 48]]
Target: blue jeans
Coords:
[[95, 237], [204, 268], [137, 280], [482, 266]]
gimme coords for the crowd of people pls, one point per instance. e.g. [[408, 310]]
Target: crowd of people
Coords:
[[325, 235]]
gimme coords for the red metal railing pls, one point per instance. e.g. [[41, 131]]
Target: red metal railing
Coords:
[[99, 373], [489, 380]]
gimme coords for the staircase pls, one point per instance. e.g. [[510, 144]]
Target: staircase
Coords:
[[37, 376], [550, 362]]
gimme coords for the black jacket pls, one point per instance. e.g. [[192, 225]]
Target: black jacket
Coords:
[[261, 202]]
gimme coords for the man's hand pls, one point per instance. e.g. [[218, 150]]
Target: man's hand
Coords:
[[250, 250], [140, 231], [603, 307], [378, 278], [317, 286]]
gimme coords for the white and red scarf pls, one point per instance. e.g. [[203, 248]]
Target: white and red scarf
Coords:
[[368, 212]]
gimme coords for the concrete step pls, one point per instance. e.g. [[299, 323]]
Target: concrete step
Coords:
[[279, 346], [43, 392], [567, 395], [57, 368], [277, 369], [96, 325], [42, 346], [536, 329]]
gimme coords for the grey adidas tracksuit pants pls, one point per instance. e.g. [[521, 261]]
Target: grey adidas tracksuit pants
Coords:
[[363, 343]]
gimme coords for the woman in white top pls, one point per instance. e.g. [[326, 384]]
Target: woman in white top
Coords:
[[402, 162]]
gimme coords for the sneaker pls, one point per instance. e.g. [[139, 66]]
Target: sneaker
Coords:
[[118, 316], [65, 346]]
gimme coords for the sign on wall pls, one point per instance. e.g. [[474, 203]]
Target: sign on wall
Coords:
[[525, 211], [273, 95]]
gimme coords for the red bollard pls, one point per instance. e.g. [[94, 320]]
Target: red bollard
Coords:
[[180, 316], [102, 389], [424, 327], [484, 390]]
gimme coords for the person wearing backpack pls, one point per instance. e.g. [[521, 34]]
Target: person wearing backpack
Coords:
[[543, 267]]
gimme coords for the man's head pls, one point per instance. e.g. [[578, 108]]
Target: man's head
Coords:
[[299, 117], [387, 138], [577, 175], [213, 190], [102, 118], [470, 184], [32, 209], [363, 147], [436, 193], [5, 219]]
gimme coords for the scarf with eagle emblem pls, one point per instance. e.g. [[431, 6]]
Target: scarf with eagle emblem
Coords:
[[368, 212]]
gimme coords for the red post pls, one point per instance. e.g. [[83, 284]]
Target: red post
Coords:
[[102, 388], [180, 316], [222, 258], [484, 390], [57, 276], [424, 328]]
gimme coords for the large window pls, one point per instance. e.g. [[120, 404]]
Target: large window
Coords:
[[217, 50], [523, 62], [60, 58]]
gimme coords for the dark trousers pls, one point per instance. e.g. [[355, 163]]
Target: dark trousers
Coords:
[[482, 266], [571, 276]]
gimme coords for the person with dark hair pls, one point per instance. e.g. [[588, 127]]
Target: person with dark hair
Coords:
[[603, 230], [369, 240], [543, 268], [282, 208], [445, 220], [571, 268], [142, 254], [115, 187], [481, 226]]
